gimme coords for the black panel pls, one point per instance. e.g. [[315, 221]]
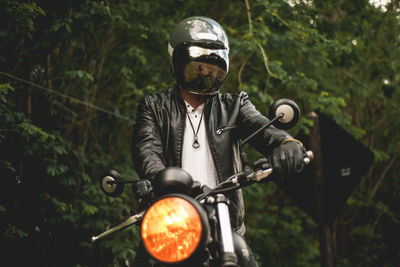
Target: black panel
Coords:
[[345, 162]]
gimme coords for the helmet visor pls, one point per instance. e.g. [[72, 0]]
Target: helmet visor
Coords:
[[203, 78], [204, 71]]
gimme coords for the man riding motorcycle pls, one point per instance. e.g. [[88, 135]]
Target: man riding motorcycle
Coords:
[[196, 127]]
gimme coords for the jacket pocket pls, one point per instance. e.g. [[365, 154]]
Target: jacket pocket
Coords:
[[225, 128]]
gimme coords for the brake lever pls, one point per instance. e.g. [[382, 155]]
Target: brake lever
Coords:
[[125, 223], [263, 173]]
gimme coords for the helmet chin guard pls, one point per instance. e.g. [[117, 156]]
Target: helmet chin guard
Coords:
[[199, 55]]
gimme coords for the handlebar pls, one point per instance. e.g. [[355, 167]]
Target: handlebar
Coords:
[[234, 182], [241, 179]]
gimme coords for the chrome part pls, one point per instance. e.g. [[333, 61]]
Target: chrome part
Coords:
[[108, 184], [309, 157], [310, 154], [260, 175], [225, 227], [225, 128], [210, 200], [129, 221]]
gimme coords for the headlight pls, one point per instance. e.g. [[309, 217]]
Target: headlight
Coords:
[[172, 229]]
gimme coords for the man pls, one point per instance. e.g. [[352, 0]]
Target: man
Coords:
[[197, 128]]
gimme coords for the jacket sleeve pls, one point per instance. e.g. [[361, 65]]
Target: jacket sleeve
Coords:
[[147, 148], [250, 120]]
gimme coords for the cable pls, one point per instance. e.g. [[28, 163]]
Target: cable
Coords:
[[87, 104]]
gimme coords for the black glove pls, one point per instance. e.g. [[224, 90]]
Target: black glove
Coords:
[[288, 158], [141, 188]]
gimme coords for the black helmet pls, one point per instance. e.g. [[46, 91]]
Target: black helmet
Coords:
[[199, 55]]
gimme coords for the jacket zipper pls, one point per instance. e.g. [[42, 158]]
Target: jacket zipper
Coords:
[[225, 128]]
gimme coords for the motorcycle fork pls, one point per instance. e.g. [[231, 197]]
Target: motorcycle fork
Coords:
[[228, 255]]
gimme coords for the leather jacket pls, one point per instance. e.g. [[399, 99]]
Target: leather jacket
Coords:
[[159, 130]]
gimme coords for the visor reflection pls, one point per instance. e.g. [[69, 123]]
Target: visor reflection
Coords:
[[195, 70], [203, 76], [196, 52]]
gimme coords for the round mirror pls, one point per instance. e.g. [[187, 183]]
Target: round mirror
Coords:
[[110, 184], [287, 111]]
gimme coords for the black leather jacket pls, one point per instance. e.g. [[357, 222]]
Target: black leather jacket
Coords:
[[159, 130]]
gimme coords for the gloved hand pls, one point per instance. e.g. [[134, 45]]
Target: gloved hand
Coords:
[[288, 158], [141, 188]]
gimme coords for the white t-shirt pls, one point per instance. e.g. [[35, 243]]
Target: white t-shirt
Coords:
[[198, 162]]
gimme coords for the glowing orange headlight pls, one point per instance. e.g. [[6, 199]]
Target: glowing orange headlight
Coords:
[[171, 229]]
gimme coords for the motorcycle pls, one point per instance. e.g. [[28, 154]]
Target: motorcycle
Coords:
[[183, 223]]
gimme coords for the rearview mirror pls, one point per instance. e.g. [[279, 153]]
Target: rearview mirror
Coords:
[[287, 111], [112, 184]]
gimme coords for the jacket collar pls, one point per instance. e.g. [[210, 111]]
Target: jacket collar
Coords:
[[178, 97]]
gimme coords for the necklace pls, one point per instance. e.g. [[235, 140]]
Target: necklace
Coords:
[[195, 144]]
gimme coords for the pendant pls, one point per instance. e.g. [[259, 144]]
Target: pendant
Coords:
[[195, 144]]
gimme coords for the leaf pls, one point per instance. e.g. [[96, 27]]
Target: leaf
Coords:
[[12, 233], [33, 130], [5, 89], [2, 208], [89, 209]]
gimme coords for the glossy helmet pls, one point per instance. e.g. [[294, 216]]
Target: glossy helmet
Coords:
[[199, 55]]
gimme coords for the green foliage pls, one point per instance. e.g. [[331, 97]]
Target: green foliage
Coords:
[[4, 90], [12, 232], [281, 235], [94, 60], [23, 14]]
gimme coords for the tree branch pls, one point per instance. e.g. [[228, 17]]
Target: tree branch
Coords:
[[264, 55], [266, 61], [249, 17], [241, 69], [380, 180]]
